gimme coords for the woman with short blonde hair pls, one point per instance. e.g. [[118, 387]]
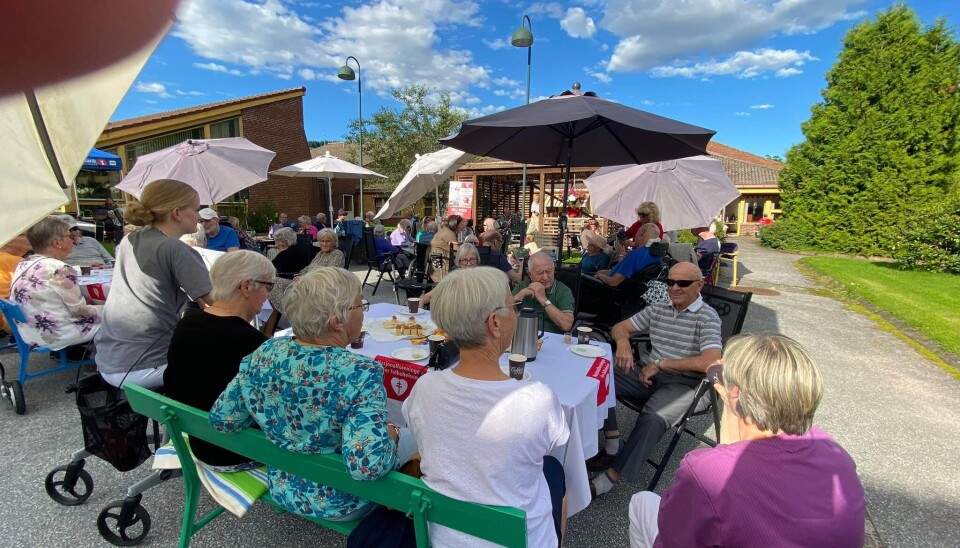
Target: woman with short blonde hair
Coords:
[[155, 276], [775, 479], [647, 212], [329, 255]]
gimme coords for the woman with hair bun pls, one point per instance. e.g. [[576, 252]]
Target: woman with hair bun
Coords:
[[154, 278]]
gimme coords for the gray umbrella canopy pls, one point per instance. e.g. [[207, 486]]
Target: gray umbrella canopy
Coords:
[[579, 130]]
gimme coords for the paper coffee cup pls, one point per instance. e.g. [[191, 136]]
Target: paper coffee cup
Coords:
[[413, 304], [583, 335], [435, 342], [518, 362]]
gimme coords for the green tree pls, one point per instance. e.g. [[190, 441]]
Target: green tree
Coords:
[[392, 137], [881, 148]]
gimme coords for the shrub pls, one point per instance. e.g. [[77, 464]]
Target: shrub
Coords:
[[932, 241], [786, 233], [262, 218]]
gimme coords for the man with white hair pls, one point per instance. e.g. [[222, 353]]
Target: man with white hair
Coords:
[[636, 260], [543, 293], [198, 241], [685, 338], [219, 238], [490, 224], [87, 251]]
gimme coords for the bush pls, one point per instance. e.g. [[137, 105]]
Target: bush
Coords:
[[932, 242], [262, 218]]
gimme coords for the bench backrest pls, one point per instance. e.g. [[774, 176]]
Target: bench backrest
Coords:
[[500, 525]]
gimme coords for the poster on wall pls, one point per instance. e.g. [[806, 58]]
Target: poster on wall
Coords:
[[460, 199]]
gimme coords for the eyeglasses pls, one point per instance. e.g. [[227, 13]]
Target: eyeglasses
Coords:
[[472, 260], [681, 283], [268, 285], [364, 305], [517, 307]]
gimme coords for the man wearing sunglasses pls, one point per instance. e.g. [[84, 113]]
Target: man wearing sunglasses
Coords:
[[685, 335]]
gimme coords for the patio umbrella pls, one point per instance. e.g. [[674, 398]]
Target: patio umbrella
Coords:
[[689, 191], [330, 167], [48, 132], [425, 175], [575, 129], [215, 168]]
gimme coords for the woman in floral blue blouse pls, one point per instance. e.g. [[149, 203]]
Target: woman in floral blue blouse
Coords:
[[309, 394]]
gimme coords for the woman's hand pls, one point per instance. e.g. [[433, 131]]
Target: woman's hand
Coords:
[[394, 432]]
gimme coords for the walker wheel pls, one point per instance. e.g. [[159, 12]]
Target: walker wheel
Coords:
[[61, 484], [15, 392], [124, 522]]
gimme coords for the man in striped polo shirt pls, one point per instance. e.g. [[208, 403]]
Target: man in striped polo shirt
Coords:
[[685, 334]]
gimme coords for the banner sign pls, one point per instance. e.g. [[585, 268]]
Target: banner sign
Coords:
[[601, 371], [460, 199]]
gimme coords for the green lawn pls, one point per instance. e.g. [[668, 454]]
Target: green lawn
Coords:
[[926, 301]]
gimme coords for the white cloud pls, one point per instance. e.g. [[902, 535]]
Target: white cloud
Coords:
[[190, 93], [787, 72], [284, 76], [764, 106], [550, 9], [505, 82], [149, 101], [743, 64], [156, 88], [604, 47], [475, 112], [741, 113], [599, 76], [647, 103], [578, 24], [656, 32], [499, 43], [218, 68], [307, 74]]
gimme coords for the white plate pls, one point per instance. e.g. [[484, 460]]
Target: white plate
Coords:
[[411, 354], [588, 351], [406, 311], [506, 371]]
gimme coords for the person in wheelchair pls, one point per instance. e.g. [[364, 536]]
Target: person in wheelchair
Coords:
[[686, 340], [636, 260]]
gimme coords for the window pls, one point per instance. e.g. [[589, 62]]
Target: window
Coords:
[[135, 150], [379, 202], [224, 129], [348, 203]]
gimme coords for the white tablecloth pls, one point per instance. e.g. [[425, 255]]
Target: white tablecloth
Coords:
[[566, 374]]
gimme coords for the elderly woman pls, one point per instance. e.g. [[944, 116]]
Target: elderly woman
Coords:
[[597, 253], [280, 386], [306, 227], [384, 250], [290, 258], [216, 339], [775, 479], [155, 277], [647, 212], [46, 289], [401, 237], [329, 254], [467, 257], [501, 434]]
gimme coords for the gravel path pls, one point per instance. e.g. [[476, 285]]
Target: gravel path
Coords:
[[895, 413]]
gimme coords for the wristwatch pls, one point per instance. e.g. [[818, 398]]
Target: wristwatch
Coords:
[[546, 303], [657, 363]]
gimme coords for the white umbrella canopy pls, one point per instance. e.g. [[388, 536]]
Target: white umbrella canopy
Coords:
[[689, 192], [327, 166], [215, 168], [425, 175], [48, 132]]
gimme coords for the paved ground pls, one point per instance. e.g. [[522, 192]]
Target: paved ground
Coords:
[[896, 414]]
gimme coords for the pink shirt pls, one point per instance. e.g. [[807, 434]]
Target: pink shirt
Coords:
[[782, 491]]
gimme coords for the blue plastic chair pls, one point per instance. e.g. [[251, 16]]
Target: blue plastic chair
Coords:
[[13, 390]]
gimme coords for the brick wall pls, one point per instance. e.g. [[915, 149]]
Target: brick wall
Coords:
[[279, 127]]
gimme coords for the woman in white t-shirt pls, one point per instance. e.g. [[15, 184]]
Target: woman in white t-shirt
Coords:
[[483, 436]]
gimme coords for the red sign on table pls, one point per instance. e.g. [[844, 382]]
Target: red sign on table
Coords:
[[399, 376], [600, 370]]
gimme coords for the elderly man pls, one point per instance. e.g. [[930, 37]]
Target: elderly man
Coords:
[[494, 240], [707, 247], [278, 226], [685, 334], [247, 241], [428, 232], [87, 251], [544, 294], [636, 260], [368, 221], [219, 238], [490, 224]]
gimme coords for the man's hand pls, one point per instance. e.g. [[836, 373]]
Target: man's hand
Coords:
[[604, 272], [647, 373], [624, 356], [539, 292]]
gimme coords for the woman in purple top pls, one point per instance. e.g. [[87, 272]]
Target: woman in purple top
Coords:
[[775, 479]]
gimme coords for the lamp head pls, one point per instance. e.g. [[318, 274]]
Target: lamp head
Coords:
[[346, 73], [522, 38]]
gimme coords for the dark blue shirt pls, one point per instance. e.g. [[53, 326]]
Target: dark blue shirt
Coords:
[[634, 262], [384, 247]]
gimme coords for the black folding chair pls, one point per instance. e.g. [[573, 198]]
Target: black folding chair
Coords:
[[731, 306], [345, 245], [418, 283], [383, 265], [569, 275]]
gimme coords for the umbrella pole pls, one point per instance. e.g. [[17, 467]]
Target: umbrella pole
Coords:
[[331, 218], [562, 221]]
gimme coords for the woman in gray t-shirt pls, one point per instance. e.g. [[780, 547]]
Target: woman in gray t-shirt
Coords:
[[155, 276]]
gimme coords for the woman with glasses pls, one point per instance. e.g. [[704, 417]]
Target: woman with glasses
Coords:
[[208, 344], [647, 212], [154, 279], [775, 479], [467, 257], [46, 289], [309, 394], [484, 437]]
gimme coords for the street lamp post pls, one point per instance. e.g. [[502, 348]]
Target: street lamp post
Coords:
[[523, 38], [346, 73]]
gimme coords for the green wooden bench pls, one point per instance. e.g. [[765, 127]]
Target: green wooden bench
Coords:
[[501, 525]]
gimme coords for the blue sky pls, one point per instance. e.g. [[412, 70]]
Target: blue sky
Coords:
[[749, 69]]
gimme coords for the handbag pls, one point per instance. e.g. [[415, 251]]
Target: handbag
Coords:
[[112, 430], [447, 354]]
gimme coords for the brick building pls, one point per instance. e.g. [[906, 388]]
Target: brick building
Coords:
[[272, 120]]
